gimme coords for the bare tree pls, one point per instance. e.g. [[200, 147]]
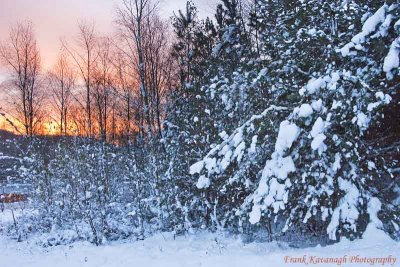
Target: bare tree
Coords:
[[123, 86], [62, 81], [85, 55], [102, 84], [21, 55], [132, 17], [158, 62]]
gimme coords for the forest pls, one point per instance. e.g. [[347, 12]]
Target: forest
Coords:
[[275, 120]]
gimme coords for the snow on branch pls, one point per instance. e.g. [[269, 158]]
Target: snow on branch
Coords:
[[378, 26], [232, 148], [369, 27]]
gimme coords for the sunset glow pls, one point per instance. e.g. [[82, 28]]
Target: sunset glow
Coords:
[[60, 25]]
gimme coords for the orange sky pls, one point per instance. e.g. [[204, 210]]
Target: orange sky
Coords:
[[55, 19]]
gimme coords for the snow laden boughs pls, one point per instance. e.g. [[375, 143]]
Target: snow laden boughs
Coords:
[[228, 173], [378, 26], [391, 62], [309, 165], [274, 186], [370, 29], [320, 151], [231, 150], [327, 183], [314, 171]]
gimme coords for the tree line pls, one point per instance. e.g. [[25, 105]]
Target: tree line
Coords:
[[112, 88]]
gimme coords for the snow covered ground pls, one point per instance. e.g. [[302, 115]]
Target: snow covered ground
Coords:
[[200, 249]]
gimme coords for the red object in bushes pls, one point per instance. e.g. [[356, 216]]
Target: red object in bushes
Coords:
[[11, 198]]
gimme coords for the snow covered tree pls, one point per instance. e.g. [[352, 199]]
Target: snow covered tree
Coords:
[[316, 174]]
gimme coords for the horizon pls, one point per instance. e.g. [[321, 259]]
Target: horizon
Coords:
[[62, 22]]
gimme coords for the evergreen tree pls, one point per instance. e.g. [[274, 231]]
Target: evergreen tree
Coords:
[[316, 173]]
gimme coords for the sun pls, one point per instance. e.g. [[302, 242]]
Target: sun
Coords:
[[50, 128]]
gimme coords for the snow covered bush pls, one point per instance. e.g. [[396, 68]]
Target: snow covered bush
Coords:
[[96, 190]]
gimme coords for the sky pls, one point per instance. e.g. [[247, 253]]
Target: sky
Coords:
[[55, 19]]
